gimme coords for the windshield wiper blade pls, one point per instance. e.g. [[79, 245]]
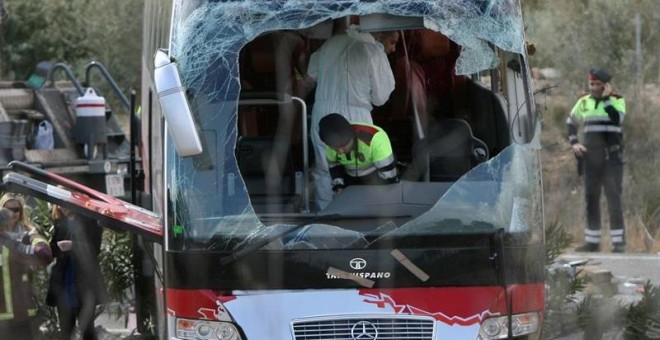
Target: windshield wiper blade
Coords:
[[260, 243]]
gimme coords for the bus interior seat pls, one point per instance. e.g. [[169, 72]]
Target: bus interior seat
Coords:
[[491, 124], [448, 151], [454, 96], [268, 173], [272, 62], [485, 112], [269, 66]]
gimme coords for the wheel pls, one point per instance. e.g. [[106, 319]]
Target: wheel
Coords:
[[91, 153]]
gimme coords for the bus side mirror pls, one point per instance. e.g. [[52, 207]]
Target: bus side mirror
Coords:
[[175, 106]]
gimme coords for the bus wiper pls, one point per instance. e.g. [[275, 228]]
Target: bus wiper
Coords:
[[258, 244], [376, 234]]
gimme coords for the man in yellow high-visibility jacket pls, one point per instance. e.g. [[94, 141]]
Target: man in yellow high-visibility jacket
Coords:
[[357, 153], [601, 112]]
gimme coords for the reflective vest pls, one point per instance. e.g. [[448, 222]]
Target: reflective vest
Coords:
[[16, 294], [374, 153], [599, 128]]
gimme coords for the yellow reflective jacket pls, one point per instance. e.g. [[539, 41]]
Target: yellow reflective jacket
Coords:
[[601, 117], [19, 255], [372, 153]]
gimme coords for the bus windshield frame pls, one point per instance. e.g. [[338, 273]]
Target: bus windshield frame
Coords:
[[209, 203]]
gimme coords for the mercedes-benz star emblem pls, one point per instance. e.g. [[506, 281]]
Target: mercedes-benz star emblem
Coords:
[[358, 263], [364, 330]]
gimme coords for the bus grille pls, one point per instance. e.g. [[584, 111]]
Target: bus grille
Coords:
[[367, 328]]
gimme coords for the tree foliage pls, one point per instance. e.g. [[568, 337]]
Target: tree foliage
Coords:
[[74, 32], [35, 30], [573, 36]]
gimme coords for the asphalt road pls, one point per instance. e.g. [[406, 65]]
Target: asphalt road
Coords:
[[624, 267], [642, 266]]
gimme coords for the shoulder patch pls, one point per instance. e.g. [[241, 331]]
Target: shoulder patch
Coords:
[[365, 133]]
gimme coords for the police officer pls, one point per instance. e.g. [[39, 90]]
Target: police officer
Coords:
[[357, 153], [601, 113]]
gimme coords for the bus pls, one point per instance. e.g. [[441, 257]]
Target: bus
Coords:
[[240, 250]]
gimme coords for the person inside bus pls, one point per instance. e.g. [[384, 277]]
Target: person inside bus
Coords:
[[357, 153], [23, 250], [76, 286], [352, 75]]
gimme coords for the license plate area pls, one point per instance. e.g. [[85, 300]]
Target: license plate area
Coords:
[[114, 185]]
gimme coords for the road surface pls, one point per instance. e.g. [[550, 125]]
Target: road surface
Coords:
[[642, 266]]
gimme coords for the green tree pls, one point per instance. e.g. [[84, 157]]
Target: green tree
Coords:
[[573, 36], [35, 30], [74, 32]]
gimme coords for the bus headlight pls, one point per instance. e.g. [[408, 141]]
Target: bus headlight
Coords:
[[498, 328], [204, 329]]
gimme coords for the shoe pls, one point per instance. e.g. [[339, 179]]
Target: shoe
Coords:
[[619, 248], [588, 247]]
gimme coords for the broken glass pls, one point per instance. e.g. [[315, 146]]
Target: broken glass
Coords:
[[208, 196]]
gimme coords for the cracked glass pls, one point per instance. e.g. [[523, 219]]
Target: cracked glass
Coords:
[[210, 196]]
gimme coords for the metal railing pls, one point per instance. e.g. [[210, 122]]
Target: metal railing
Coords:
[[106, 75], [69, 74]]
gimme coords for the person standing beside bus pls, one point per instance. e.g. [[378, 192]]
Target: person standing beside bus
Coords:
[[352, 74], [601, 112], [22, 248], [76, 286]]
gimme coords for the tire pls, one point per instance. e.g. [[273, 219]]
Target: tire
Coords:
[[90, 153]]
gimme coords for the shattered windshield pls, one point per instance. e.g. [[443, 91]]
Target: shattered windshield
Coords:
[[217, 201], [215, 31], [504, 192]]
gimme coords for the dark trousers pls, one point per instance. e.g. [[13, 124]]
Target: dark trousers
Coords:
[[67, 319], [603, 169]]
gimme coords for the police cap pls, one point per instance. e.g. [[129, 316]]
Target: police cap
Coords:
[[599, 74]]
